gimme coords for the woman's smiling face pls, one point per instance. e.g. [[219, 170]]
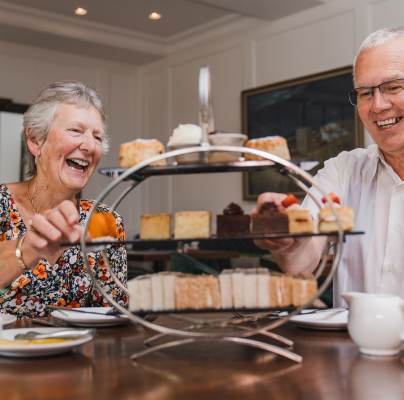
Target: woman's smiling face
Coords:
[[73, 147]]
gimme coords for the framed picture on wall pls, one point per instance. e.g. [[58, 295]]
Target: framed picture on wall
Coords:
[[313, 113]]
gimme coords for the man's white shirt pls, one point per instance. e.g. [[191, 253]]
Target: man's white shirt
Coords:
[[373, 262]]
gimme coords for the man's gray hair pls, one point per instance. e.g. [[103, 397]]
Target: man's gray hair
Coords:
[[378, 38], [40, 115]]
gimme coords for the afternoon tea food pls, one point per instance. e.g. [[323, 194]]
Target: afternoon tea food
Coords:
[[289, 217], [136, 151], [155, 226], [327, 220], [192, 224], [185, 135], [233, 222], [276, 145], [240, 288]]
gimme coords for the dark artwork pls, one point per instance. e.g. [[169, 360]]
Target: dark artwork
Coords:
[[312, 113]]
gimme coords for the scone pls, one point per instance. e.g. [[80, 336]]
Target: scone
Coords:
[[276, 145], [136, 151]]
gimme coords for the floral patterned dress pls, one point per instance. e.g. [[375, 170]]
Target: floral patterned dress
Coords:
[[66, 283]]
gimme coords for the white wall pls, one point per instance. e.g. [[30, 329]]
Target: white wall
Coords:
[[25, 70], [313, 41]]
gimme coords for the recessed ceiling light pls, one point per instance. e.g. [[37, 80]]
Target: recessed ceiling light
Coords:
[[80, 11], [154, 16]]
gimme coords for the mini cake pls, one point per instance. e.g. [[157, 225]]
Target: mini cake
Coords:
[[327, 220], [233, 222], [192, 224], [155, 226], [276, 145], [102, 226], [300, 220], [136, 151], [270, 220], [237, 284], [197, 292], [303, 290]]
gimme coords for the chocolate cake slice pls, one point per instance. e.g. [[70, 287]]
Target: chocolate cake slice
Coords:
[[233, 222], [270, 220]]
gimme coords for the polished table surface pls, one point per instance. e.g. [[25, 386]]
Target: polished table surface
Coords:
[[332, 369]]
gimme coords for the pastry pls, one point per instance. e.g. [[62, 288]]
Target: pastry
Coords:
[[233, 222], [155, 226], [136, 151], [197, 292], [270, 220], [327, 219], [276, 145], [300, 220], [192, 224]]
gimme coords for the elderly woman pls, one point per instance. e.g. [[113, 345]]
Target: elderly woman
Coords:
[[64, 132]]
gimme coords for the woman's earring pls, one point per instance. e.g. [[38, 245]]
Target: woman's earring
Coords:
[[37, 158]]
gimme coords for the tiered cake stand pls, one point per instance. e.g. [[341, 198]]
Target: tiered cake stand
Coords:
[[245, 327]]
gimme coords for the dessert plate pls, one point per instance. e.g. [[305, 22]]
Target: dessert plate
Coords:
[[6, 319], [90, 317], [10, 347], [328, 320]]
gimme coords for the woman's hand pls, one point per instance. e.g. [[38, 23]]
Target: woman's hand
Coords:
[[47, 231]]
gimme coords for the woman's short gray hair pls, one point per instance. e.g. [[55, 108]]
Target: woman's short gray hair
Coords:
[[39, 116], [378, 38]]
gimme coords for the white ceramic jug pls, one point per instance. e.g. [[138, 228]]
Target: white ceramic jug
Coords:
[[376, 322]]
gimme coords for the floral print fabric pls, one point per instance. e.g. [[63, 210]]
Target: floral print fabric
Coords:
[[66, 283]]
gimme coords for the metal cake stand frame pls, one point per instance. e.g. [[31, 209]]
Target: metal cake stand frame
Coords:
[[239, 326]]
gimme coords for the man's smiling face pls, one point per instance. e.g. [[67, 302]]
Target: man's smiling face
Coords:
[[383, 114]]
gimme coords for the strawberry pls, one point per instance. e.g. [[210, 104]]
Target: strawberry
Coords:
[[289, 200], [334, 198]]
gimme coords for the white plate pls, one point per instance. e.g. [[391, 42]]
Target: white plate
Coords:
[[89, 316], [333, 319], [17, 349], [6, 319]]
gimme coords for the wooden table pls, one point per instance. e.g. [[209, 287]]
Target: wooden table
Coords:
[[332, 369]]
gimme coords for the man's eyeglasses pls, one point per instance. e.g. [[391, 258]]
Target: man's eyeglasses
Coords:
[[363, 95]]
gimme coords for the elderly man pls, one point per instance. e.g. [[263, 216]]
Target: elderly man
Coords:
[[368, 180]]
